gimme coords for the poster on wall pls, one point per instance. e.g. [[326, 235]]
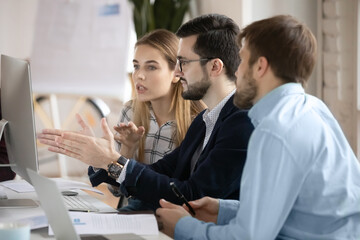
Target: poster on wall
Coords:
[[82, 47]]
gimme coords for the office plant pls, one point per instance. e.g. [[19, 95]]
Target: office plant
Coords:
[[154, 14]]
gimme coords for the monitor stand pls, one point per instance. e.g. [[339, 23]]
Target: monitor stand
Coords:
[[3, 123], [12, 203]]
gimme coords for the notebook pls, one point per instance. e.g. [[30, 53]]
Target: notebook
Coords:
[[52, 203]]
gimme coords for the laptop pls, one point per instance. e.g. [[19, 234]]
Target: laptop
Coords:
[[52, 203]]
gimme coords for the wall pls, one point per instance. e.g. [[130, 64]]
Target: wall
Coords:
[[304, 10], [17, 18], [230, 8], [246, 11], [17, 23], [335, 24], [339, 68]]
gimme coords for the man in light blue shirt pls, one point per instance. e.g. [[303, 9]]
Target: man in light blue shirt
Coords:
[[301, 179]]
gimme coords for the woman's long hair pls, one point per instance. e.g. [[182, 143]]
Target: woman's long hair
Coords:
[[185, 110]]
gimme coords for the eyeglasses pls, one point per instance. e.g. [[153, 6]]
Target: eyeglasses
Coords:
[[183, 62]]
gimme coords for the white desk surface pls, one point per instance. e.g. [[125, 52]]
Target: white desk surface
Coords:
[[14, 214], [42, 234]]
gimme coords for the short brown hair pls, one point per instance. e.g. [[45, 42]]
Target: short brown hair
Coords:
[[216, 38], [288, 45]]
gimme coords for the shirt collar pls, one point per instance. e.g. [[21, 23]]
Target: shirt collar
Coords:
[[153, 118], [265, 105], [215, 112]]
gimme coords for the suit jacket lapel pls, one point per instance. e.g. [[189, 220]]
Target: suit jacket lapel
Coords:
[[225, 111], [194, 138]]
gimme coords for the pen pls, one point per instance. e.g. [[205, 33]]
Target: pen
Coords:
[[181, 196]]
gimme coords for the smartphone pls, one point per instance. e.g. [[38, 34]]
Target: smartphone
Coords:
[[178, 194]]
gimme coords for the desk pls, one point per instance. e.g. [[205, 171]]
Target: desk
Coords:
[[38, 214], [42, 234], [108, 198]]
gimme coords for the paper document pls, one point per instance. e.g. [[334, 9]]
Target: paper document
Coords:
[[21, 186], [97, 223], [37, 221]]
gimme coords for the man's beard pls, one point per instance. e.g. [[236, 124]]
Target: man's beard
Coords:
[[197, 91], [245, 95]]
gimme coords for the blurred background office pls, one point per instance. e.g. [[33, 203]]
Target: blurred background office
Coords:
[[80, 52]]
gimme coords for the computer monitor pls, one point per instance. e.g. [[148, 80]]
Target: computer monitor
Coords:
[[17, 109]]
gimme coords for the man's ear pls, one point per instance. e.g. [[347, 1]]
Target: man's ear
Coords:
[[216, 66], [261, 66]]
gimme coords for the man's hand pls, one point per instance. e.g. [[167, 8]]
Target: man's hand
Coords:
[[206, 208], [86, 129], [169, 215], [47, 136], [97, 152], [129, 136]]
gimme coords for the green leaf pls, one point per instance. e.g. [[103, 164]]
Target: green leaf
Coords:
[[144, 17], [150, 18], [178, 17], [167, 14], [137, 23], [163, 10], [137, 4]]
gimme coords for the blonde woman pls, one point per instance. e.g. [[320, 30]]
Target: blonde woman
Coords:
[[156, 121], [158, 106]]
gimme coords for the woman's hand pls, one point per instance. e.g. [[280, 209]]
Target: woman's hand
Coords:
[[129, 136]]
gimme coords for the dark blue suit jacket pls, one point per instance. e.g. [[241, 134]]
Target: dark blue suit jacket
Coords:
[[217, 173]]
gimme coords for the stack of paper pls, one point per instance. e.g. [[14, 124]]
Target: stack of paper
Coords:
[[96, 223]]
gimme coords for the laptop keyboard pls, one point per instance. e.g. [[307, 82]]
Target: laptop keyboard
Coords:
[[76, 203]]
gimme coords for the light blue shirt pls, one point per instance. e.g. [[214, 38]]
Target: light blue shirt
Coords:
[[301, 179]]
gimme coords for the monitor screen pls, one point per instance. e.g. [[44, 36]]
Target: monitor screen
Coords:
[[17, 108]]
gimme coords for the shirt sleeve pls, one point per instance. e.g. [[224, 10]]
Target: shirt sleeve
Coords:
[[123, 173], [227, 211], [266, 197]]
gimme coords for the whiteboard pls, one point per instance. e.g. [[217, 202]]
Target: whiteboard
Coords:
[[82, 47]]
